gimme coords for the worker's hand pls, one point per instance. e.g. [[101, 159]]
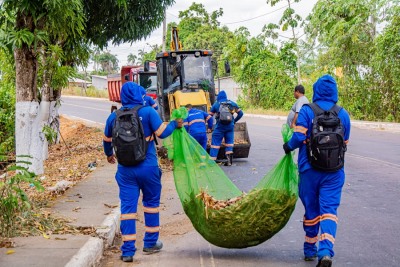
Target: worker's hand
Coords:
[[286, 148], [180, 123], [209, 130], [111, 159]]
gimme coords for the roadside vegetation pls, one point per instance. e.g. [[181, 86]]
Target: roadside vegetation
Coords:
[[90, 91]]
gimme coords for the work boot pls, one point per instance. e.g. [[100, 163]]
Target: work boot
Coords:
[[156, 248], [310, 258], [229, 160], [127, 258], [326, 261]]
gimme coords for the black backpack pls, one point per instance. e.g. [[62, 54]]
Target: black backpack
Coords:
[[225, 115], [128, 137], [326, 147]]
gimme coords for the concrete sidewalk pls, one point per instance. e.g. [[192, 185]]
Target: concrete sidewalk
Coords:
[[94, 203]]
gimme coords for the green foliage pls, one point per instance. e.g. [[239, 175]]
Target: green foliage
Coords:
[[366, 60], [121, 21], [261, 71], [7, 103], [50, 134], [107, 61], [14, 201]]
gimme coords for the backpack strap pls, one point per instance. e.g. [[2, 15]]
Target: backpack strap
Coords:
[[315, 108], [335, 109]]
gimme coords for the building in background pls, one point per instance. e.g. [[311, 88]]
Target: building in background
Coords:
[[76, 82], [231, 88], [99, 82]]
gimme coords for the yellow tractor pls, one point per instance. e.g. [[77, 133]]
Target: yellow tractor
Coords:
[[187, 77]]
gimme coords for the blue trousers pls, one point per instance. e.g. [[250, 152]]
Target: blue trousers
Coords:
[[132, 180], [320, 193], [220, 133], [201, 138]]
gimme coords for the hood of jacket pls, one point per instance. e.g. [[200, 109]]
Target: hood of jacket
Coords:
[[131, 94], [325, 89], [222, 96]]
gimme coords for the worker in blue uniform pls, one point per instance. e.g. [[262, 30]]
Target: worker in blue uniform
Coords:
[[145, 177], [148, 100], [224, 131], [195, 124], [319, 191]]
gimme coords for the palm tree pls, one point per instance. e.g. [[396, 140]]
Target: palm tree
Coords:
[[132, 59]]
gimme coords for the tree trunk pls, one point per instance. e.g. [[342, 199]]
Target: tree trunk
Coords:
[[28, 137]]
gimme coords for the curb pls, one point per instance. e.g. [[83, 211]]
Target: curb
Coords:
[[91, 253], [385, 126]]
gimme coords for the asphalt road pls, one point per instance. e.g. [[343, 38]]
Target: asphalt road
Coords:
[[369, 216]]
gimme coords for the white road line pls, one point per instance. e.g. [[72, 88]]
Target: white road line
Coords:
[[211, 256], [101, 109], [374, 160], [212, 263], [200, 254]]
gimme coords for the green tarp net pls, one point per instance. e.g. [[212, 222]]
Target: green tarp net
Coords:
[[218, 210]]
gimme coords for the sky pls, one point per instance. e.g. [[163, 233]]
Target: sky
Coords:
[[252, 14]]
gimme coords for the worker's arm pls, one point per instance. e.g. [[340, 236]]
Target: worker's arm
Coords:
[[209, 120], [107, 139], [239, 115], [161, 129], [186, 124], [301, 129], [296, 115]]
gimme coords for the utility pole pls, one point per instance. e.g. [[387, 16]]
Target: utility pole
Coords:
[[164, 30]]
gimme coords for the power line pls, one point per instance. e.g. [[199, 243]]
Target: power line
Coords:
[[257, 16]]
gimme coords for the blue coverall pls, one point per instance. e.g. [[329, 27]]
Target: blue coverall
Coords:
[[319, 191], [195, 125], [146, 176], [222, 131], [148, 100]]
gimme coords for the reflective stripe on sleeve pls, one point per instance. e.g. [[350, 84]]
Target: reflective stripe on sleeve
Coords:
[[300, 129], [150, 138], [107, 139], [161, 129]]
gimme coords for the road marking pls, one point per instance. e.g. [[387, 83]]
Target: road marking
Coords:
[[212, 263], [374, 160], [85, 107]]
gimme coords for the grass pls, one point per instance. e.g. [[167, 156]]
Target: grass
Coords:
[[89, 92], [266, 111]]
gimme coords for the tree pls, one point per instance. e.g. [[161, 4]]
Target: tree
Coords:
[[260, 70], [290, 20], [132, 59], [107, 61], [346, 31], [79, 22]]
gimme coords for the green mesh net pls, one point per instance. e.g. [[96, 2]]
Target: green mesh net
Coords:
[[218, 210]]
